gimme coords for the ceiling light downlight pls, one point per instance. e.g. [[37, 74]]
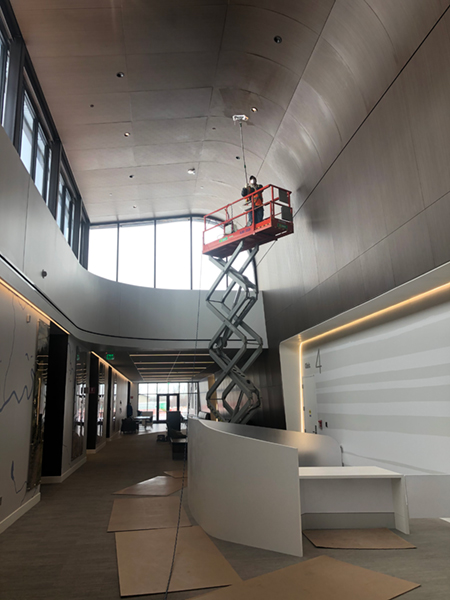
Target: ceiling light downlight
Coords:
[[191, 171]]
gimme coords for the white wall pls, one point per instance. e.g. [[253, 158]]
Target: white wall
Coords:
[[17, 362], [96, 309], [385, 394]]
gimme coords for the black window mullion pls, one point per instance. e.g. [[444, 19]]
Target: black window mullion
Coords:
[[3, 62], [34, 144], [46, 171], [14, 92], [55, 167], [76, 228]]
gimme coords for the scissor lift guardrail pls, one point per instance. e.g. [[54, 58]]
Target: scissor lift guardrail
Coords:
[[232, 309]]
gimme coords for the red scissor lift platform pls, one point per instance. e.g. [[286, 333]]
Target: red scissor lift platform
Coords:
[[226, 227]]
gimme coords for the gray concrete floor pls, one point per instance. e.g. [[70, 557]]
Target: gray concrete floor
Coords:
[[61, 550]]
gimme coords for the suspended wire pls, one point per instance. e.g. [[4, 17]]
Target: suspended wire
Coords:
[[243, 154], [185, 446]]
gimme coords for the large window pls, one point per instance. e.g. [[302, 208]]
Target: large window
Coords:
[[164, 254], [137, 254], [26, 118], [161, 397], [103, 252], [34, 147], [4, 65]]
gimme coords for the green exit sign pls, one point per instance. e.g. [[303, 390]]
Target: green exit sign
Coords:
[[110, 357]]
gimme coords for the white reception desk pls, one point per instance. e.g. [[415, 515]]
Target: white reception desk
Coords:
[[252, 491]]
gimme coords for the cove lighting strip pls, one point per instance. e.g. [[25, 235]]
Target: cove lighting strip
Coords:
[[30, 304], [106, 363], [371, 316]]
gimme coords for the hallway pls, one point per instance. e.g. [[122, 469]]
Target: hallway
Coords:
[[61, 550]]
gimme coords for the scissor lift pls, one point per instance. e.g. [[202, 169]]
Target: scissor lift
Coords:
[[223, 241]]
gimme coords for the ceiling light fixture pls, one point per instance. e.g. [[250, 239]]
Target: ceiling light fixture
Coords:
[[278, 39], [127, 134], [238, 157], [191, 171], [254, 109], [92, 106], [120, 74], [134, 206]]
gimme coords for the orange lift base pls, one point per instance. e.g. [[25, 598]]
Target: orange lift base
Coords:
[[268, 230]]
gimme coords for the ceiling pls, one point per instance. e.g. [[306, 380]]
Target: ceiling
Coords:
[[188, 67]]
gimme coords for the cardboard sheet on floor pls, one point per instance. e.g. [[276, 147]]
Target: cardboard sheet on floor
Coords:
[[133, 514], [144, 559], [320, 578], [373, 539], [157, 486], [176, 474]]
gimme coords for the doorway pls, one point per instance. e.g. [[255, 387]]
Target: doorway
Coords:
[[164, 404]]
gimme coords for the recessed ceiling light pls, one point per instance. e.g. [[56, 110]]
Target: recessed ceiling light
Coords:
[[131, 176], [127, 134], [191, 171], [213, 128], [134, 206], [92, 106], [254, 109], [238, 157], [120, 74], [278, 39]]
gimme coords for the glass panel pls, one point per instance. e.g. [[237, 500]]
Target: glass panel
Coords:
[[38, 408], [184, 404], [40, 161], [163, 388], [26, 147], [173, 255], [152, 388], [79, 404], [49, 169], [136, 254], [4, 64], [174, 388], [103, 251], [101, 401], [204, 273], [60, 204], [162, 405], [115, 421], [249, 271], [67, 215]]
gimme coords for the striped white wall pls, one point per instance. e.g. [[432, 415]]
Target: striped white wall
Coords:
[[385, 393]]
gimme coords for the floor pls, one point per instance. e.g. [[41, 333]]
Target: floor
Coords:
[[60, 550]]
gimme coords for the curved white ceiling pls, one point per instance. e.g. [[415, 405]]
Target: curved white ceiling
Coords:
[[188, 67]]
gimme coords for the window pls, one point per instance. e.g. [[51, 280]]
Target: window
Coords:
[[163, 254], [137, 254], [204, 273], [4, 68], [103, 252], [26, 145], [34, 147], [173, 255]]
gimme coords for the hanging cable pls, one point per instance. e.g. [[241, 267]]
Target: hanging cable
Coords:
[[185, 447], [243, 153]]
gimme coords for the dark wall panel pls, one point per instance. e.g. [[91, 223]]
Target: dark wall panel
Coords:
[[377, 219]]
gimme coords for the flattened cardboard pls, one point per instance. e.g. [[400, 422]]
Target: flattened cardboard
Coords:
[[176, 474], [363, 539], [156, 486], [133, 514], [144, 559], [321, 578]]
